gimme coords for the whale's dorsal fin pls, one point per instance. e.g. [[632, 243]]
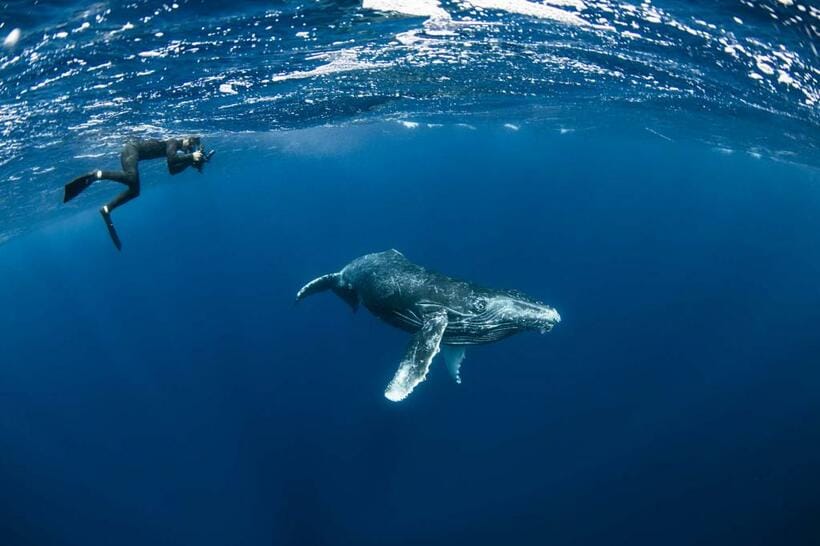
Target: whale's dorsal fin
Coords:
[[420, 353], [330, 282], [453, 357]]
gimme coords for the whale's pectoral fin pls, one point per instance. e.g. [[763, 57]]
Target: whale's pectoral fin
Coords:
[[453, 357], [420, 353]]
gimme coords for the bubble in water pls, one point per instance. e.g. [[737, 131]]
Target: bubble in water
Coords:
[[12, 39]]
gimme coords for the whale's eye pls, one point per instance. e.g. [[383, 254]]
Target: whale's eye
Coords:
[[480, 305]]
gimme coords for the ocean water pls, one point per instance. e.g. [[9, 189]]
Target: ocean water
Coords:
[[649, 169]]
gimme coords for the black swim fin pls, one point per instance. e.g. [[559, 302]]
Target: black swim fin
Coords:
[[76, 187], [112, 231]]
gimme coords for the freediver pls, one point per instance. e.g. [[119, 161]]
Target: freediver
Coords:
[[180, 153]]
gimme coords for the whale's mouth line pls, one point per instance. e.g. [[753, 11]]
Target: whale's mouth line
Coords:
[[492, 324]]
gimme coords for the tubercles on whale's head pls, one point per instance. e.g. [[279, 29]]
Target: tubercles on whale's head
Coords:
[[524, 313], [548, 318]]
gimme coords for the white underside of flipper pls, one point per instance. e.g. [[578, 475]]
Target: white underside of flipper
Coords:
[[420, 353], [453, 357]]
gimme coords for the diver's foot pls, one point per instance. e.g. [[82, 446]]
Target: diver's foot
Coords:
[[106, 214]]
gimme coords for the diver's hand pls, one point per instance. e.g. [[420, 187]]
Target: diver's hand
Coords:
[[197, 156]]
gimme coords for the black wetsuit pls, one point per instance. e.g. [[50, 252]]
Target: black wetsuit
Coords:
[[136, 151], [132, 154]]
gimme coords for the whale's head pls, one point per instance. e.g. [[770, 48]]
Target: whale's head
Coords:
[[494, 315], [513, 309]]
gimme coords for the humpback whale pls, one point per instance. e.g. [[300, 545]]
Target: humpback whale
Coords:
[[436, 309]]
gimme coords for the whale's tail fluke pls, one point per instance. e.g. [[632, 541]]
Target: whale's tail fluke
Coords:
[[329, 282], [325, 282]]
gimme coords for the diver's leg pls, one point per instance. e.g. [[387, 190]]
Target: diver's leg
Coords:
[[129, 194], [82, 183], [128, 158], [129, 176], [132, 192], [114, 176]]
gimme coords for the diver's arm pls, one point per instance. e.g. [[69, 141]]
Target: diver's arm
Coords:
[[177, 162]]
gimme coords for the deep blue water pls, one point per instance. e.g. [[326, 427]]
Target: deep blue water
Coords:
[[661, 198], [174, 393]]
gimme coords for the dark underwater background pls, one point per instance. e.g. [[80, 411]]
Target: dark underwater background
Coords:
[[174, 392]]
